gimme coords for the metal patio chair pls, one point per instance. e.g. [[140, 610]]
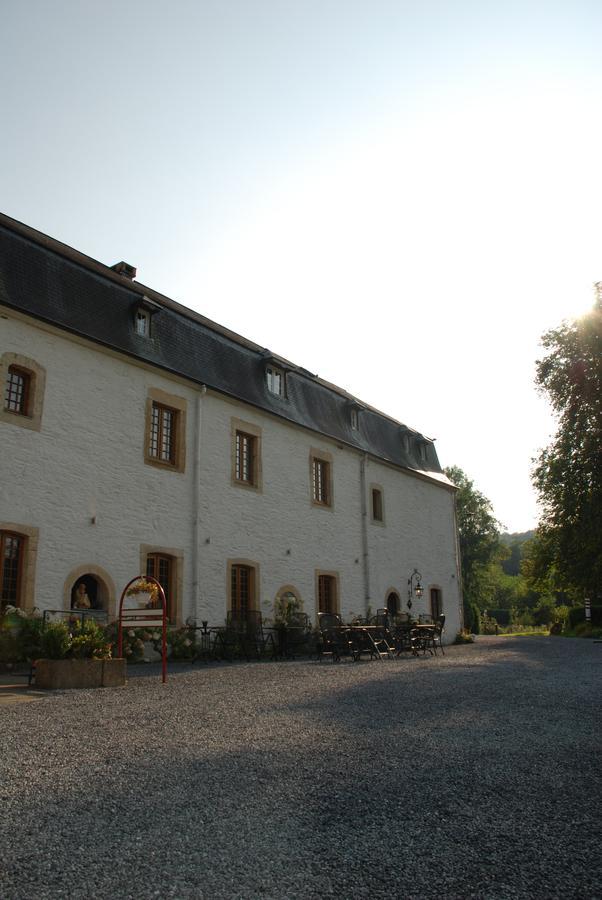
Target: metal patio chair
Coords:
[[334, 637]]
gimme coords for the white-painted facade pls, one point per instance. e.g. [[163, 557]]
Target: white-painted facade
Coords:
[[82, 483]]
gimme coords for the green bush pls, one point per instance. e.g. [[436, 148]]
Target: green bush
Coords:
[[464, 637], [182, 643], [29, 638], [501, 616], [586, 630], [88, 641], [55, 641], [577, 615], [472, 617]]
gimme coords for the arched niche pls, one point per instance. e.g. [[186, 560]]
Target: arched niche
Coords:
[[99, 585]]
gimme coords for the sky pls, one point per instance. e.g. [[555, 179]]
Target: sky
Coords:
[[402, 197]]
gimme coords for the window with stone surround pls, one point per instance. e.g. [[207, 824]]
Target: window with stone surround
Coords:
[[320, 472], [12, 549], [165, 442], [246, 471], [23, 381], [327, 592]]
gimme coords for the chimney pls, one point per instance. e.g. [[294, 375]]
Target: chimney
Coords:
[[123, 268]]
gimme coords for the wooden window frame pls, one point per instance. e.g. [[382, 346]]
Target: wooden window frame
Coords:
[[24, 401], [320, 479], [377, 489], [30, 415], [234, 567], [333, 581], [176, 558], [163, 434], [27, 563], [435, 589], [5, 538], [251, 435], [246, 457], [158, 399]]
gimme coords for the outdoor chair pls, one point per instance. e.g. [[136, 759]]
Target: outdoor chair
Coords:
[[244, 636], [402, 633], [383, 639], [334, 637], [296, 636], [438, 634]]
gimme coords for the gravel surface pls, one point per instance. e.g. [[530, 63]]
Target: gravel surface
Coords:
[[476, 774]]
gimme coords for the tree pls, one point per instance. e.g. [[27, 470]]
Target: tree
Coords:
[[478, 532], [568, 473]]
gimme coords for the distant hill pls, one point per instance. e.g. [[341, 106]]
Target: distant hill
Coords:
[[514, 542], [516, 537]]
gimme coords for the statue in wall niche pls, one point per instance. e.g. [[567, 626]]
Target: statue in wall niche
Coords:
[[80, 597]]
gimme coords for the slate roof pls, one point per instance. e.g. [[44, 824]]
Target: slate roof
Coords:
[[55, 283]]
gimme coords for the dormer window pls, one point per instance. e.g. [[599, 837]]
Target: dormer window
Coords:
[[144, 310], [421, 446], [143, 323], [275, 380], [354, 410]]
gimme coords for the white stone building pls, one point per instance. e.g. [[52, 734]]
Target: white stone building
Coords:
[[138, 436]]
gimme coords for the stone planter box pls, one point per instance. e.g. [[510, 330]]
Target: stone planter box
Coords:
[[54, 674]]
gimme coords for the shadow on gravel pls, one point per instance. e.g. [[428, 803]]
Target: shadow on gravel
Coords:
[[458, 777]]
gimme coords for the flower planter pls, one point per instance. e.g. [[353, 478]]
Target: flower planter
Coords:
[[54, 674]]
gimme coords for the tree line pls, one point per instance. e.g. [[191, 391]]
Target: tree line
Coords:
[[536, 575]]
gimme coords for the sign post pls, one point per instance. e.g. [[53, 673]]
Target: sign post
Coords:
[[152, 614]]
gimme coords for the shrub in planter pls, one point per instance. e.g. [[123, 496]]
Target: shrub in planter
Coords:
[[88, 641], [55, 641], [29, 638]]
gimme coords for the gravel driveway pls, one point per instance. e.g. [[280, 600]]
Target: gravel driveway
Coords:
[[476, 774]]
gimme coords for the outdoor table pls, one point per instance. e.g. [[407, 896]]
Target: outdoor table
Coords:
[[424, 634], [373, 644]]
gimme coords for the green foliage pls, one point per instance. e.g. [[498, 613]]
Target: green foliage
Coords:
[[464, 637], [29, 638], [568, 473], [55, 641], [587, 630], [285, 607], [472, 618], [182, 643], [576, 615], [478, 533], [501, 616], [89, 641]]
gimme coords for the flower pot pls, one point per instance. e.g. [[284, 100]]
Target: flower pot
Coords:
[[62, 674]]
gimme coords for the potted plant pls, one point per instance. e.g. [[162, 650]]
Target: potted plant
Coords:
[[76, 655]]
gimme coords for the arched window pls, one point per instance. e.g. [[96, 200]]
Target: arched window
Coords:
[[393, 603], [436, 603]]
